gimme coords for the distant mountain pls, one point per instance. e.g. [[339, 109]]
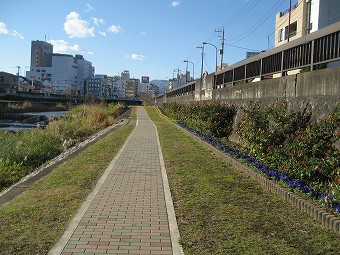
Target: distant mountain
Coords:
[[162, 84]]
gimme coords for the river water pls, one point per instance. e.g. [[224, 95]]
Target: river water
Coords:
[[16, 125]]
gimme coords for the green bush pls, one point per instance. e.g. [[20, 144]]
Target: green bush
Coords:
[[304, 149], [214, 119]]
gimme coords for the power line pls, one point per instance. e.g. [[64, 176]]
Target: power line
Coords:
[[259, 23], [241, 47], [248, 7], [241, 13]]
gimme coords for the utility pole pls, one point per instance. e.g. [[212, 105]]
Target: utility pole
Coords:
[[18, 70], [290, 10], [186, 72], [222, 48], [202, 47]]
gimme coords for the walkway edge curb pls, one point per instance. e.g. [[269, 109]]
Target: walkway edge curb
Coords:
[[17, 188], [173, 227], [58, 248], [327, 219]]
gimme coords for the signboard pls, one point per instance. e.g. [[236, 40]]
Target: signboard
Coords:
[[145, 79]]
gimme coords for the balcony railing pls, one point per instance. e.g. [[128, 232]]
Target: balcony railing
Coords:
[[287, 11]]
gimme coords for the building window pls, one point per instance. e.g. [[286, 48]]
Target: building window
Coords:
[[2, 79], [283, 32], [293, 29]]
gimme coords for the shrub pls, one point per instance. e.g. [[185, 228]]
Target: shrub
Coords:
[[303, 149], [215, 119]]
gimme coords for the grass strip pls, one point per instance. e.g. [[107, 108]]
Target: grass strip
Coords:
[[34, 221], [221, 211]]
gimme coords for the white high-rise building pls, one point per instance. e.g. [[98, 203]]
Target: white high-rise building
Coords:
[[85, 71], [66, 74]]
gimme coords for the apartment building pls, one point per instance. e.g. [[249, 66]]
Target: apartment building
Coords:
[[8, 83], [65, 73], [41, 54], [305, 16]]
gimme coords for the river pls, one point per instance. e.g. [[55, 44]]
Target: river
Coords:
[[17, 125]]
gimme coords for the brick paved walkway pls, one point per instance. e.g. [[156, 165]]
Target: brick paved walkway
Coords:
[[130, 211]]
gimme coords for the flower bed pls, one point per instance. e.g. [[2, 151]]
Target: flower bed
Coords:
[[279, 145]]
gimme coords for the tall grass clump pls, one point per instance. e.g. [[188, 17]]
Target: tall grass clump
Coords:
[[23, 151]]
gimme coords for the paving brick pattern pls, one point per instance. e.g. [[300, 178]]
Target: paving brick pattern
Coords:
[[128, 214]]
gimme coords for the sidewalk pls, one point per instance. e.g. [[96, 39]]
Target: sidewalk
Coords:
[[130, 211]]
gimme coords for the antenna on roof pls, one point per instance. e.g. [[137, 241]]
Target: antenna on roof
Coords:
[[45, 38]]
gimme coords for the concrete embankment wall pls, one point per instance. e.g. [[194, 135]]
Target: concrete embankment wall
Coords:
[[318, 91]]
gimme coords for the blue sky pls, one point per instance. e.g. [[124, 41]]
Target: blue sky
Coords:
[[146, 37]]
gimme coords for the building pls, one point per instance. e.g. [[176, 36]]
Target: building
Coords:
[[143, 87], [84, 70], [131, 88], [8, 83], [125, 75], [96, 86], [65, 73], [41, 54], [154, 89], [117, 86], [62, 75], [305, 16], [179, 81], [323, 13]]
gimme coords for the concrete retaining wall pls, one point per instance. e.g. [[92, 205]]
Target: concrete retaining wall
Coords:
[[319, 91]]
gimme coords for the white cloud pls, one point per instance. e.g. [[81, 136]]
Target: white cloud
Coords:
[[63, 47], [115, 29], [89, 8], [102, 33], [97, 21], [76, 27], [4, 30], [136, 56], [17, 34], [175, 3]]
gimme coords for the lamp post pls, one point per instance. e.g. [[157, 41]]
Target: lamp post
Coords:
[[193, 68], [201, 47], [178, 71], [216, 53]]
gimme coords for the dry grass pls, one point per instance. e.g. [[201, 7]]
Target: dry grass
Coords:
[[35, 220]]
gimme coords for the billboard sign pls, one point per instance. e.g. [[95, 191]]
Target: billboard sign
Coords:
[[145, 79]]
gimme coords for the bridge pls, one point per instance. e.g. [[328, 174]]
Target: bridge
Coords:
[[39, 97]]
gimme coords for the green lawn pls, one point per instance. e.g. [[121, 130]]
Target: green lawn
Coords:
[[221, 211], [35, 220]]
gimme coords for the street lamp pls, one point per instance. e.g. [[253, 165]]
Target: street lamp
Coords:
[[193, 68], [201, 47], [178, 71], [216, 53]]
